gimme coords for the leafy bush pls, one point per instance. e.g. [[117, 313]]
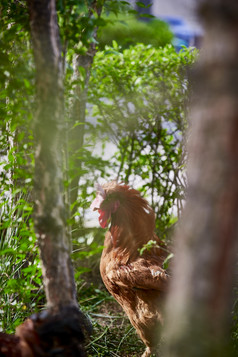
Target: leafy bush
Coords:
[[139, 98], [128, 31], [21, 290]]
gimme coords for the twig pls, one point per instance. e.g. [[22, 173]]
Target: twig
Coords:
[[123, 338], [98, 338]]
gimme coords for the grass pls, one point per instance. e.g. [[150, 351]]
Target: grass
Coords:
[[113, 335]]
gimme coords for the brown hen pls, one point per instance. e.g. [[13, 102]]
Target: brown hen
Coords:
[[137, 282]]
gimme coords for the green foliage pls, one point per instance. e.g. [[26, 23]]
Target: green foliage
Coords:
[[153, 244], [21, 290], [148, 246], [79, 21], [127, 31], [167, 261], [20, 280], [139, 98]]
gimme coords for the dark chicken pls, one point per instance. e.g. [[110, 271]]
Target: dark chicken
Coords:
[[48, 333], [138, 283]]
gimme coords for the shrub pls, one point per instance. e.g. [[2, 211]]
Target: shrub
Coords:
[[139, 98], [129, 31]]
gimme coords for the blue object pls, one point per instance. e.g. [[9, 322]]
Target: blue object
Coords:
[[184, 35]]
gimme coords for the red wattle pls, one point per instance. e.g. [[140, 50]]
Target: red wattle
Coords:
[[104, 218]]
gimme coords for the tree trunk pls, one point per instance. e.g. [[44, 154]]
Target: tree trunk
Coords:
[[50, 211], [78, 116], [78, 110], [199, 304], [62, 328]]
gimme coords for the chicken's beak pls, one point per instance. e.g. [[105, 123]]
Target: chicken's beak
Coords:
[[95, 205]]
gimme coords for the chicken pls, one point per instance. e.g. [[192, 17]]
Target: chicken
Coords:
[[48, 334], [138, 282]]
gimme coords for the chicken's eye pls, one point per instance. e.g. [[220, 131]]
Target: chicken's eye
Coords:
[[109, 198]]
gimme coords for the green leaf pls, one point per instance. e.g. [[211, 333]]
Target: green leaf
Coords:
[[167, 261], [140, 4]]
